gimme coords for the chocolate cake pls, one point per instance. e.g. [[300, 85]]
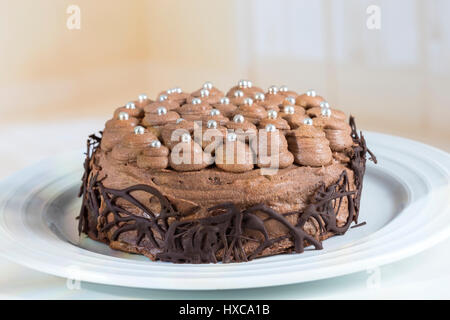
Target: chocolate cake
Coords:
[[222, 176]]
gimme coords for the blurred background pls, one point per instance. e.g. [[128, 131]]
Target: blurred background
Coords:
[[386, 62]]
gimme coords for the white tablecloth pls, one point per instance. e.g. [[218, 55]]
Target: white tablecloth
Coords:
[[426, 275]]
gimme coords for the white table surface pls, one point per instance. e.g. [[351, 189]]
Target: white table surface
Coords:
[[424, 276]]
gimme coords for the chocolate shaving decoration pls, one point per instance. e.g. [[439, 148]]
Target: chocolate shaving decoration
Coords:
[[87, 220], [198, 241], [358, 163], [327, 203], [124, 220], [359, 225], [222, 235]]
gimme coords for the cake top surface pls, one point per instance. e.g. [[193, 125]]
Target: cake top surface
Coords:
[[238, 130]]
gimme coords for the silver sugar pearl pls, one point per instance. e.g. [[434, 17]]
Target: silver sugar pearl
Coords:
[[243, 84], [249, 84], [179, 120], [214, 112], [325, 112], [311, 93], [130, 105], [208, 85], [248, 101], [123, 116], [139, 130], [289, 109], [212, 124], [186, 137], [161, 111], [273, 90], [284, 89], [170, 91], [142, 97], [163, 97], [272, 114], [224, 100], [308, 121], [204, 93], [238, 94], [290, 100], [259, 96], [177, 90], [239, 118], [324, 105], [231, 137], [155, 144], [271, 128], [196, 101]]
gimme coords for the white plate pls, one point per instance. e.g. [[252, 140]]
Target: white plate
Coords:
[[405, 203]]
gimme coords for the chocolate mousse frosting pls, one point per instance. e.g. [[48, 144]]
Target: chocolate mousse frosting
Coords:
[[155, 106], [273, 97], [317, 112], [131, 145], [227, 157], [310, 146], [336, 131], [155, 156], [174, 94], [131, 109], [216, 116], [293, 115], [189, 157], [309, 99], [285, 91], [245, 125], [213, 137], [158, 120], [116, 129], [275, 120], [171, 132], [251, 111], [210, 96], [212, 90], [196, 109], [161, 190], [276, 145], [225, 107], [246, 86]]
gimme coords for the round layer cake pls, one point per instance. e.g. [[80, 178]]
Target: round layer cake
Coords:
[[230, 176]]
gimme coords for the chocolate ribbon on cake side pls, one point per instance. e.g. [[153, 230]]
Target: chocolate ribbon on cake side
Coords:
[[222, 235]]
